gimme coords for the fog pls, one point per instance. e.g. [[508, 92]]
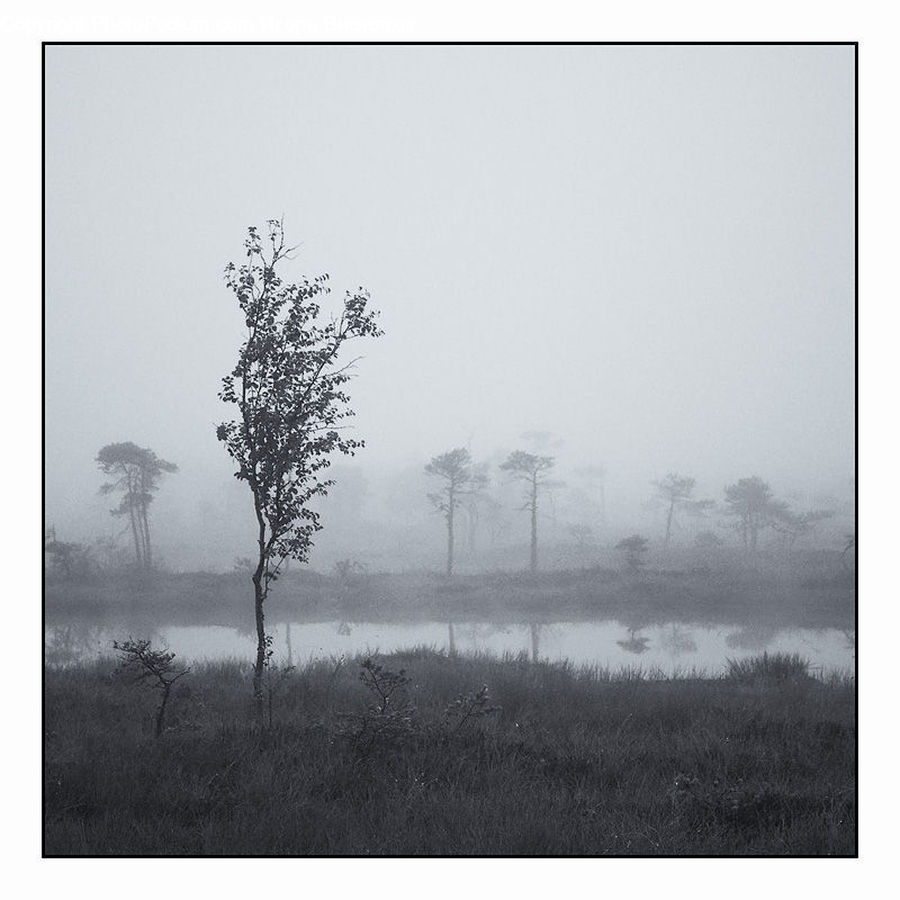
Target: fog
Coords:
[[640, 258]]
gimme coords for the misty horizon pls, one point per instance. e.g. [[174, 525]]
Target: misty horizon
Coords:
[[645, 252]]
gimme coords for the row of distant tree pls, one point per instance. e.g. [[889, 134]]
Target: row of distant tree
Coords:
[[461, 478], [749, 503], [136, 471]]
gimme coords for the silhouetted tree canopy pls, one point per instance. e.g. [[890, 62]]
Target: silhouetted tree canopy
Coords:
[[460, 477], [289, 389], [531, 469], [136, 472]]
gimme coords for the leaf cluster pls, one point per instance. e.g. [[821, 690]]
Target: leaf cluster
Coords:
[[460, 478], [288, 387], [143, 663], [136, 472], [532, 469], [526, 466]]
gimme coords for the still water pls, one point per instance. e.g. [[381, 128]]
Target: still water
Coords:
[[669, 648]]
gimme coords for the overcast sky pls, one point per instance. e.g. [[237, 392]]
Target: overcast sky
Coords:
[[645, 250]]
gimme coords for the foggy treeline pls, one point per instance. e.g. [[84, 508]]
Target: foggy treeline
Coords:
[[383, 520]]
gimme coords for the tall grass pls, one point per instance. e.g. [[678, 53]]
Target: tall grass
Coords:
[[576, 761], [777, 667]]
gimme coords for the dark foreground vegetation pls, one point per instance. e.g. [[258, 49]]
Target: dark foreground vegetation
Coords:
[[412, 755]]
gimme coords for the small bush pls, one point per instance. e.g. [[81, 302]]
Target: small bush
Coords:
[[474, 705], [145, 665], [391, 717]]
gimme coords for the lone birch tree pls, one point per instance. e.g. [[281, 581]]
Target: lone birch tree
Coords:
[[460, 478], [530, 469], [288, 387]]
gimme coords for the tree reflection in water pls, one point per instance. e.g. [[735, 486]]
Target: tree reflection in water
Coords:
[[535, 641], [678, 641], [636, 643], [751, 637]]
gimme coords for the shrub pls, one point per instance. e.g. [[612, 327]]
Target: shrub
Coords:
[[474, 705], [144, 664], [390, 718]]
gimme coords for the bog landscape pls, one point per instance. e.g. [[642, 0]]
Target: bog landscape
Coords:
[[543, 543]]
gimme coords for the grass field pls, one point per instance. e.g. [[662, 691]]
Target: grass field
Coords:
[[758, 762]]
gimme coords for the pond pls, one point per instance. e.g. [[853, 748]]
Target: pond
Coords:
[[671, 648]]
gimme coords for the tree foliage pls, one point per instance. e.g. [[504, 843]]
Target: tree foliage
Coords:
[[532, 470], [289, 389], [136, 472], [149, 666], [676, 492], [794, 525], [460, 478], [751, 502]]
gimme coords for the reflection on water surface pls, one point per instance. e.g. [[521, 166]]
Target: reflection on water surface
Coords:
[[671, 647]]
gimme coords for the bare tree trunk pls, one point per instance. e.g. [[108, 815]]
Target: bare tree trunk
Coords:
[[260, 665], [148, 557], [161, 712], [450, 538], [534, 525], [669, 521], [260, 589], [134, 531]]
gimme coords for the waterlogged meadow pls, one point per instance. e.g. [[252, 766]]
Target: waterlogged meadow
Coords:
[[423, 752], [671, 648]]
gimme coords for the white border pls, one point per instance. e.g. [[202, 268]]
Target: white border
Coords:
[[23, 30]]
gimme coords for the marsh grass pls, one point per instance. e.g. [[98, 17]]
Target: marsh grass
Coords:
[[574, 761], [777, 667]]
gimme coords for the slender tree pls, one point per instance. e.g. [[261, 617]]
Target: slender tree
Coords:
[[288, 387], [136, 471], [532, 470], [675, 491], [751, 502], [459, 478], [794, 525]]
